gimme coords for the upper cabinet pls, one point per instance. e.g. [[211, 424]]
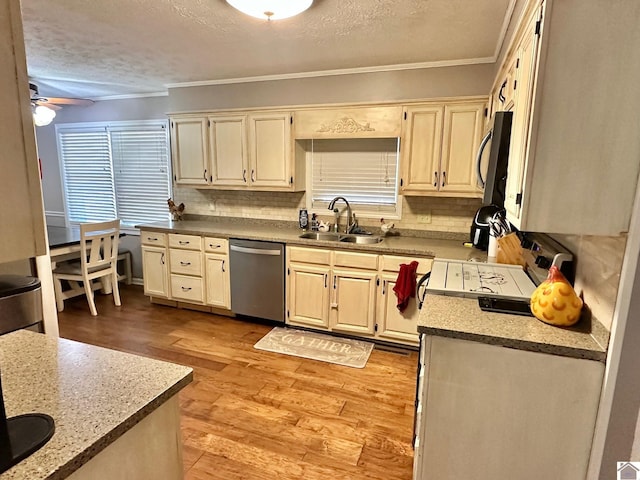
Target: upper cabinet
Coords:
[[23, 233], [573, 162], [440, 146], [236, 151], [356, 122]]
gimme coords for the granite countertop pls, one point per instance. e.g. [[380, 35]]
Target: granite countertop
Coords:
[[397, 245], [93, 394], [457, 317]]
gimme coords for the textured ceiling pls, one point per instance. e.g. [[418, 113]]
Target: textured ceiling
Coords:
[[91, 48]]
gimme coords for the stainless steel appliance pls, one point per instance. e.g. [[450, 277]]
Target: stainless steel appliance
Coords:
[[495, 180], [20, 303], [257, 278], [479, 234]]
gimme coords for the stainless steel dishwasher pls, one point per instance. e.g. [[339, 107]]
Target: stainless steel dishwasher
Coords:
[[257, 278]]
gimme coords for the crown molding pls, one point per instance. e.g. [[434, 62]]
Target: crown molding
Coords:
[[131, 95]]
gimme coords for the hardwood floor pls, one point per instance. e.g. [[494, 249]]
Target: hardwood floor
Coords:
[[251, 414]]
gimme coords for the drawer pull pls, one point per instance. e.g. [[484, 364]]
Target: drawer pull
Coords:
[[183, 242], [185, 264], [211, 245], [152, 239], [186, 289]]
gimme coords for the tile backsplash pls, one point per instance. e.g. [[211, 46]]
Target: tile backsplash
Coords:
[[418, 213]]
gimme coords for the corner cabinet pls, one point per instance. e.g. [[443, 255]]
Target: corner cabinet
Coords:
[[575, 144], [23, 234], [236, 151], [440, 146]]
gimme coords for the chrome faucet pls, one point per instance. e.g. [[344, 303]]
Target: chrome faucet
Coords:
[[350, 223]]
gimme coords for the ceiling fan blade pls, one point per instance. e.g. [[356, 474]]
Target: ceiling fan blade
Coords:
[[82, 102], [44, 103]]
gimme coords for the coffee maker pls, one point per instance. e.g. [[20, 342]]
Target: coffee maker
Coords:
[[480, 226]]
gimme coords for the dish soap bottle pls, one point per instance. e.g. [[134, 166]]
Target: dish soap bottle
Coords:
[[303, 219]]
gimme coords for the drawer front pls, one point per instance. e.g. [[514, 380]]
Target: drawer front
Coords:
[[153, 238], [188, 242], [186, 262], [368, 261], [391, 263], [216, 245], [309, 255], [190, 289]]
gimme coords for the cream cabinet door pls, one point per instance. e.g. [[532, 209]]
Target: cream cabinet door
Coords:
[[270, 149], [190, 150], [462, 133], [392, 324], [23, 226], [422, 148], [308, 295], [155, 271], [523, 94], [228, 146], [217, 280], [353, 294]]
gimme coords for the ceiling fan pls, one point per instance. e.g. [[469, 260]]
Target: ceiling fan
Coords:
[[44, 108]]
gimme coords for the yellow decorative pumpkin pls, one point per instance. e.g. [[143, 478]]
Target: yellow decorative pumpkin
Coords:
[[555, 301]]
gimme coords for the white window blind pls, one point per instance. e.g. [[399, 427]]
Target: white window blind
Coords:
[[119, 170], [363, 171]]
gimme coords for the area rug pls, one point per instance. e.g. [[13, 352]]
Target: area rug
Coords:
[[316, 346]]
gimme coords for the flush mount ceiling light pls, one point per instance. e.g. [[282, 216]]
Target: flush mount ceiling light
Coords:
[[43, 115], [271, 9]]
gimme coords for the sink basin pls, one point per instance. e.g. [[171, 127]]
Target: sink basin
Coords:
[[362, 239], [330, 236]]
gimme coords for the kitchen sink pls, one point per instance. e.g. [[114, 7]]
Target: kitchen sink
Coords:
[[330, 236], [362, 239]]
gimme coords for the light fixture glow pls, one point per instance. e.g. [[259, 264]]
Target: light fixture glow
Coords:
[[43, 115], [271, 9]]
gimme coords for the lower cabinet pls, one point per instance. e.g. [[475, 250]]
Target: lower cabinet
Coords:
[[217, 277], [350, 292], [155, 264], [487, 412]]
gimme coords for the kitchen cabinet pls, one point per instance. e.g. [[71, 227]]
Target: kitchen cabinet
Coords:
[[576, 145], [440, 146], [350, 292], [236, 151], [189, 150], [217, 278], [391, 324], [154, 264], [349, 122], [186, 268], [488, 412], [20, 179]]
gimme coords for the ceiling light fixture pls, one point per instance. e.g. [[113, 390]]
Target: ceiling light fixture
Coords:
[[43, 115], [271, 9]]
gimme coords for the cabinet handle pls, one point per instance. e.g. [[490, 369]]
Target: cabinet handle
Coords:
[[211, 245], [185, 264], [244, 175], [444, 178], [501, 97], [223, 266], [334, 304], [325, 280], [253, 178], [152, 239], [384, 287], [162, 258], [205, 174], [186, 289], [183, 243], [435, 179]]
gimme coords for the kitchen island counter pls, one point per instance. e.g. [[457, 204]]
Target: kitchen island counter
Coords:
[[392, 244], [96, 396], [462, 318]]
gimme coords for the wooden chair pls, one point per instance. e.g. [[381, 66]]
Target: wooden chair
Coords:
[[98, 260]]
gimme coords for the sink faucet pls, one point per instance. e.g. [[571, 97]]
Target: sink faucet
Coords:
[[350, 222]]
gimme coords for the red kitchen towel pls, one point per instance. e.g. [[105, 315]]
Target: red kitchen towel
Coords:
[[405, 287]]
